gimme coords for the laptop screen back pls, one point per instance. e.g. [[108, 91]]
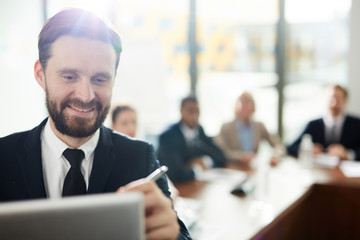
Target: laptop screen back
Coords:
[[105, 216]]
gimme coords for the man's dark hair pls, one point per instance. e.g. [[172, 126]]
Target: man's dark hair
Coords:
[[188, 99], [341, 88], [118, 109], [78, 23]]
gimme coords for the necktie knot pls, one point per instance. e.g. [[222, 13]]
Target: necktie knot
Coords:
[[74, 156]]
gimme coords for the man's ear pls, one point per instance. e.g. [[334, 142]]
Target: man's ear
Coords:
[[39, 74]]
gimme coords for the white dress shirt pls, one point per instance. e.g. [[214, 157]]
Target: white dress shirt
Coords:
[[190, 135], [333, 124], [337, 123], [55, 166]]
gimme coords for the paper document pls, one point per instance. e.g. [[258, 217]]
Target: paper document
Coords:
[[324, 160], [350, 168], [216, 174], [188, 210]]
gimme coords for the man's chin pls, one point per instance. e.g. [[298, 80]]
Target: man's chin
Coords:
[[80, 131], [77, 127], [335, 113], [193, 126], [81, 121], [82, 125]]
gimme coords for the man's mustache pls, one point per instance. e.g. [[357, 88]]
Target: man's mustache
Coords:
[[80, 104]]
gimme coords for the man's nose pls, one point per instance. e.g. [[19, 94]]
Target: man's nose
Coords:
[[334, 102], [85, 91]]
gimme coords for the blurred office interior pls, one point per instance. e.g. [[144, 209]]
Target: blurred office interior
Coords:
[[283, 51]]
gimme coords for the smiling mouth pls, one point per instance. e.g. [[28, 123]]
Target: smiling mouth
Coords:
[[82, 109]]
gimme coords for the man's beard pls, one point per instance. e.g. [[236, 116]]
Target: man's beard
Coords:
[[76, 126]]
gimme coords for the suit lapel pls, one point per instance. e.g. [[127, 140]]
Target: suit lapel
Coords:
[[321, 133], [180, 136], [31, 164], [256, 135], [235, 137], [103, 162], [344, 130]]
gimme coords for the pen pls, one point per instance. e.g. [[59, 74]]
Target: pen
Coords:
[[155, 175]]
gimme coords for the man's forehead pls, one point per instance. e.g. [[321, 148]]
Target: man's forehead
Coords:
[[246, 98], [190, 104], [76, 49], [336, 92]]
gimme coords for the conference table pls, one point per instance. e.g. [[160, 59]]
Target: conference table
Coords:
[[220, 214]]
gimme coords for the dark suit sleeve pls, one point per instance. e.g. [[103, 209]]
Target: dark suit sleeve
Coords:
[[171, 156], [293, 149], [212, 150], [316, 129], [357, 154], [351, 135], [163, 185]]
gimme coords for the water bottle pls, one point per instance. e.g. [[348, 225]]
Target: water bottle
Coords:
[[306, 151]]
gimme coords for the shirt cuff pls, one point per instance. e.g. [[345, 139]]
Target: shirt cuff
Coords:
[[350, 155], [207, 161], [197, 171]]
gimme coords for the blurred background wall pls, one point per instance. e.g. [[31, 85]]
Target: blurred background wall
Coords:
[[354, 58], [212, 48]]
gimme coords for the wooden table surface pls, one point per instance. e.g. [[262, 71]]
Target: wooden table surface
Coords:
[[225, 216]]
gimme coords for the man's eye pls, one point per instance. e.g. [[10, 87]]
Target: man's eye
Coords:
[[99, 80], [69, 78]]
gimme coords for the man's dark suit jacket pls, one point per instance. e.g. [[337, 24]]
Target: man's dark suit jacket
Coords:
[[350, 135], [174, 152], [118, 160]]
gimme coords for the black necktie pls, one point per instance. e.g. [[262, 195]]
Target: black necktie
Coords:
[[74, 183], [332, 138]]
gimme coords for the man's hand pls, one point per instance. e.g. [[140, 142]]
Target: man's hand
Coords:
[[247, 157], [317, 148], [337, 150], [161, 220], [274, 160], [202, 162]]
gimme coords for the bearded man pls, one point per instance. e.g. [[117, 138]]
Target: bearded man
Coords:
[[78, 57]]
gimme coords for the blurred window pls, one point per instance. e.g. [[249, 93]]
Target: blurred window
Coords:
[[236, 53], [22, 100], [317, 52]]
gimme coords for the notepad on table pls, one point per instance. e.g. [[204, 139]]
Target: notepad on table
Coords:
[[350, 168]]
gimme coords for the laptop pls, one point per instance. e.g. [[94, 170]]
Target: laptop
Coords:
[[107, 216]]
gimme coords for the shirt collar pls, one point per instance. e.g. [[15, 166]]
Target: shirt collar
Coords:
[[330, 121], [189, 133], [240, 123], [58, 146]]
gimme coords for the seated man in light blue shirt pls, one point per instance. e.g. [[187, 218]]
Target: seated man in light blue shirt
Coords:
[[240, 138]]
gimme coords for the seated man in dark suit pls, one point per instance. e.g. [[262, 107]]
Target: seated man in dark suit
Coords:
[[337, 133], [70, 152], [185, 148]]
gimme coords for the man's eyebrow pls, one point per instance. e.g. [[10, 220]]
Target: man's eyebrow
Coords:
[[103, 74], [67, 70], [76, 71]]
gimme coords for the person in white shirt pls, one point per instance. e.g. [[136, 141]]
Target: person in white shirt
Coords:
[[336, 133]]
